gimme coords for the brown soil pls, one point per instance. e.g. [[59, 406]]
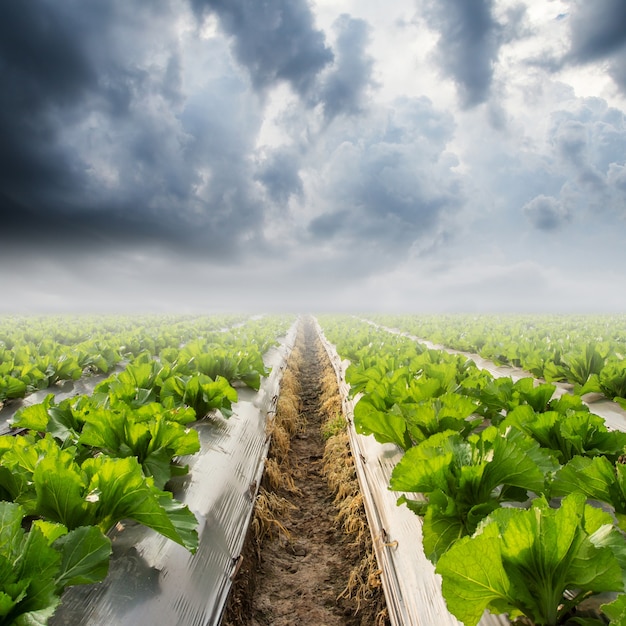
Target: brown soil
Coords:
[[307, 561]]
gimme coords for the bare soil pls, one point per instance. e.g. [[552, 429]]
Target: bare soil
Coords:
[[298, 575]]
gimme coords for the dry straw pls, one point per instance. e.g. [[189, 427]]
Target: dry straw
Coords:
[[364, 584]]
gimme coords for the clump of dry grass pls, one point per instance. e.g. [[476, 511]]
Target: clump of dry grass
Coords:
[[270, 506], [278, 479], [364, 584], [287, 420], [269, 509]]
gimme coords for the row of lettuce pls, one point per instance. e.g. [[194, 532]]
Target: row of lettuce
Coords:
[[588, 351], [73, 469], [522, 494], [36, 352]]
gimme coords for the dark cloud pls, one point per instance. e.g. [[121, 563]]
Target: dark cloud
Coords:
[[618, 69], [546, 213], [279, 173], [104, 145], [598, 31], [275, 40], [390, 189], [43, 68], [589, 148], [344, 89], [469, 43]]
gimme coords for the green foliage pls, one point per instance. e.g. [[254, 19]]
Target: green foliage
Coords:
[[598, 479], [153, 440], [37, 565], [463, 481], [200, 392], [570, 434], [522, 562], [579, 364], [48, 482], [610, 381]]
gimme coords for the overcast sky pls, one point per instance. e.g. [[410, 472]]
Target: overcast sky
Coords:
[[349, 155]]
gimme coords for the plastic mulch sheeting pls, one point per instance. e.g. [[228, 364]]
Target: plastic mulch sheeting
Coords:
[[61, 391], [412, 589], [155, 581]]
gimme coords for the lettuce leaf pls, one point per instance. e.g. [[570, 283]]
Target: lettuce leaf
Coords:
[[522, 562], [154, 441], [36, 566], [598, 479], [463, 481], [200, 392], [99, 492], [575, 433]]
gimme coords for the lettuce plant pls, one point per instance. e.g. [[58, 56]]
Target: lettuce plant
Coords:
[[36, 565], [598, 479], [610, 381], [47, 481], [154, 442], [463, 481], [242, 362], [577, 365], [138, 384], [200, 392], [152, 433], [498, 396], [575, 433], [540, 563]]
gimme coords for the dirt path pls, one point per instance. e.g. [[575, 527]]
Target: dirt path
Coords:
[[300, 573]]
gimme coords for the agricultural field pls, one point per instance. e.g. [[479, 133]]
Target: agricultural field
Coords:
[[517, 481], [221, 466]]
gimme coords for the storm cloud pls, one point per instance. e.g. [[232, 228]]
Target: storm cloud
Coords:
[[102, 145], [470, 38], [598, 31], [266, 151], [275, 41], [344, 90]]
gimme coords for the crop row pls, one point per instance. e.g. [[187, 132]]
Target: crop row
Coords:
[[38, 352], [522, 495], [587, 351], [83, 464]]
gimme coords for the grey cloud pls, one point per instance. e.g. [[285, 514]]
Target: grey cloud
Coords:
[[102, 147], [546, 213], [43, 68], [346, 85], [617, 176], [469, 43], [279, 173], [589, 144], [598, 31], [388, 191], [617, 69], [275, 40]]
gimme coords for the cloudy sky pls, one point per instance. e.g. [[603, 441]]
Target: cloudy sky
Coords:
[[211, 155]]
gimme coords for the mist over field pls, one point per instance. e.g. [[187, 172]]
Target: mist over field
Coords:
[[424, 155]]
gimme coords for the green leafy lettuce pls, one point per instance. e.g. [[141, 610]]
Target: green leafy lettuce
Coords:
[[200, 392], [47, 481], [463, 481], [575, 433], [522, 562], [36, 566]]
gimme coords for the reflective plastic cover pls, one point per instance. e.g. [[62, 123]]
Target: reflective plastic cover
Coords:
[[153, 580]]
